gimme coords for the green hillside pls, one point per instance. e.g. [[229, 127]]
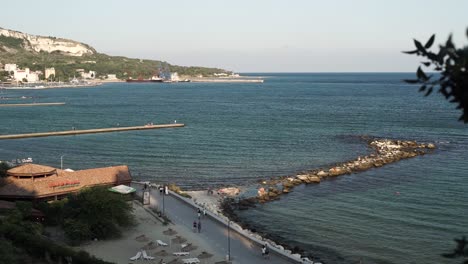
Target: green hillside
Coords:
[[12, 51]]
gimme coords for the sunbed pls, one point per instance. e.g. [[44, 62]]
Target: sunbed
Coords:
[[145, 256], [191, 261], [181, 253], [161, 243], [137, 256]]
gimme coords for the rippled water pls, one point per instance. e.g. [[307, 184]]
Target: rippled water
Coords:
[[237, 133]]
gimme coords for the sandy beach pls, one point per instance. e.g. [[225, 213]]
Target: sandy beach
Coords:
[[149, 229]]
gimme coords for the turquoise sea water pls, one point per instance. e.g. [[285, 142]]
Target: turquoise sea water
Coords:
[[237, 133]]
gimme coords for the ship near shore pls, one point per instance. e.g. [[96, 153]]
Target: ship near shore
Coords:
[[139, 80]]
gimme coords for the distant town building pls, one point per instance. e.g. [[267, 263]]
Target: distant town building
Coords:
[[26, 74], [10, 67], [88, 75], [49, 72], [175, 77], [222, 74], [111, 77]]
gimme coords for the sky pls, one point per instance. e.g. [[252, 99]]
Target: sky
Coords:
[[250, 35]]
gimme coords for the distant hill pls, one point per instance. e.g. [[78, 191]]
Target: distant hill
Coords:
[[39, 52]]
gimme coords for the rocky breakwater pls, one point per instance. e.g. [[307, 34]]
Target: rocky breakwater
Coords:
[[385, 151]]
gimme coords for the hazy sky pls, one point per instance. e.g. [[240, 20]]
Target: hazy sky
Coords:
[[249, 35]]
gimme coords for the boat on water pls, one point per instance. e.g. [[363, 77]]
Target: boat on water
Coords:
[[158, 80]]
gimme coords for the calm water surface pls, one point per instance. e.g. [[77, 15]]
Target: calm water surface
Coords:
[[237, 133]]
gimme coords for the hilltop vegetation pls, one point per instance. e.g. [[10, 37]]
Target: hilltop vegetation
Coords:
[[18, 51]]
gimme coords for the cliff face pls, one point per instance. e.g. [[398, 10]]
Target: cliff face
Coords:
[[48, 44]]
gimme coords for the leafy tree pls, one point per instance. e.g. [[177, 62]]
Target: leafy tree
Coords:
[[98, 213], [452, 65], [4, 167], [460, 251]]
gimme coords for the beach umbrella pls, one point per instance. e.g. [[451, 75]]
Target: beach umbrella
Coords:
[[205, 255], [162, 253], [141, 238], [178, 240], [170, 232], [175, 261], [190, 247], [150, 245]]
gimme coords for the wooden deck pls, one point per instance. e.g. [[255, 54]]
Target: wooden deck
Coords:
[[89, 131]]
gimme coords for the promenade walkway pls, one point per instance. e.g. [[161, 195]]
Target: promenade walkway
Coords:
[[242, 250]]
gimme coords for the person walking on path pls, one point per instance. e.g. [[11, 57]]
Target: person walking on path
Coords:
[[199, 226], [199, 213], [194, 226], [265, 251], [204, 212]]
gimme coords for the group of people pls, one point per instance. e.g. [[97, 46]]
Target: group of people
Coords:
[[197, 224], [265, 251], [163, 190]]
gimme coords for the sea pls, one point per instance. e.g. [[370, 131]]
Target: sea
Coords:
[[239, 133]]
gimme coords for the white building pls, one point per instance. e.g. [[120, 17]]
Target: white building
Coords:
[[21, 75], [10, 67], [49, 72], [222, 74], [175, 77], [111, 77], [88, 75]]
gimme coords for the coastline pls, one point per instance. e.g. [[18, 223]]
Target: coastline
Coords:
[[384, 151]]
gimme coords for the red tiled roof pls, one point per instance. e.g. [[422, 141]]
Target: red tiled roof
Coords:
[[30, 169], [63, 182]]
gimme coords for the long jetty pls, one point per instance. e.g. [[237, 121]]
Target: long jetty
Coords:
[[89, 131], [31, 104]]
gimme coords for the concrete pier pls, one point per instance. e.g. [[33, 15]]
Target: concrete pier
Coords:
[[31, 104], [89, 131]]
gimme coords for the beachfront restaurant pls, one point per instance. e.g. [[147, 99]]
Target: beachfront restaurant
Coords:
[[38, 182]]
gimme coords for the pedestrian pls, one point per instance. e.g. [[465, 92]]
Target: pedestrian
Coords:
[[199, 226], [265, 251], [166, 190], [199, 213], [204, 212], [194, 226], [161, 189]]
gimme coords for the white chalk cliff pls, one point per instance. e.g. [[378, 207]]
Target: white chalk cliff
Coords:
[[49, 44]]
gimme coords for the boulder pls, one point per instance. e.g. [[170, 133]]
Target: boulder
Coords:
[[303, 177], [322, 174], [336, 171], [314, 179]]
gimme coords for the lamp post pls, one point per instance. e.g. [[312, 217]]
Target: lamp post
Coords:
[[164, 194], [229, 241], [61, 161]]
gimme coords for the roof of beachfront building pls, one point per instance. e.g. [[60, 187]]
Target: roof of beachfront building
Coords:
[[49, 181], [30, 169]]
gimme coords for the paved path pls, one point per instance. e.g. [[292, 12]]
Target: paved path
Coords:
[[242, 250]]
